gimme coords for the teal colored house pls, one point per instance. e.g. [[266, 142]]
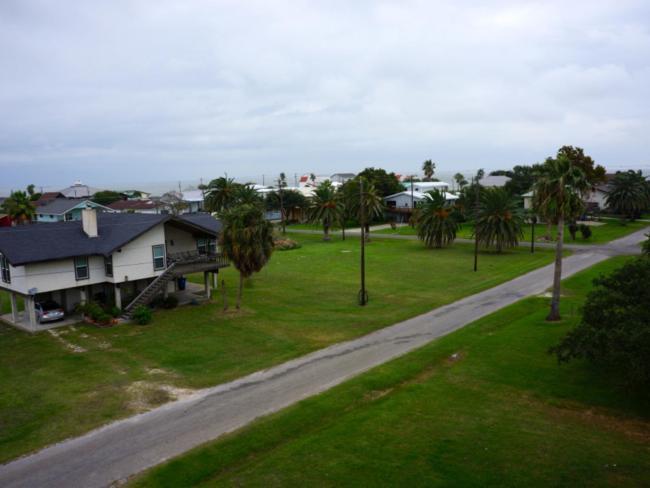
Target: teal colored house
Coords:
[[66, 209]]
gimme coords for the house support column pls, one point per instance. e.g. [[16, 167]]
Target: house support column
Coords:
[[118, 296], [83, 296], [215, 280], [14, 307], [30, 311], [206, 283]]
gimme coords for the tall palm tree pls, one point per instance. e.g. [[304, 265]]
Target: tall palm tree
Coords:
[[325, 207], [247, 194], [221, 194], [558, 194], [499, 220], [373, 203], [428, 168], [19, 207], [247, 240], [461, 182], [435, 224], [629, 194]]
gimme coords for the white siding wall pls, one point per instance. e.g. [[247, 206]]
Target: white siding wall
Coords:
[[183, 240], [403, 201], [135, 260]]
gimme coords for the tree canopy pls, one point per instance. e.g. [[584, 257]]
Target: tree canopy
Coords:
[[385, 183], [499, 220], [106, 197], [629, 194], [434, 220], [19, 207], [615, 326]]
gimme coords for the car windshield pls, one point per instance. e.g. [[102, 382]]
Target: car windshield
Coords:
[[49, 305]]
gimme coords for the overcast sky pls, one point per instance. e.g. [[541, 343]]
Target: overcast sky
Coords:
[[124, 91]]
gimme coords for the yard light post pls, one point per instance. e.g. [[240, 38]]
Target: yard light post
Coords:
[[412, 202], [475, 226], [363, 294], [533, 221]]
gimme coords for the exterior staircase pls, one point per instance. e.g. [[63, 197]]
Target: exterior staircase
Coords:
[[149, 293]]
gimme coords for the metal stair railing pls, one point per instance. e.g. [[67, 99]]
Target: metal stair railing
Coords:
[[146, 295]]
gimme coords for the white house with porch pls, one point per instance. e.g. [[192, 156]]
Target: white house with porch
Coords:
[[401, 204], [118, 259]]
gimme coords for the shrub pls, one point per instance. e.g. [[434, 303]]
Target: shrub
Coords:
[[115, 311], [285, 244], [573, 229], [170, 302], [615, 326], [103, 318], [646, 246], [142, 315], [585, 230]]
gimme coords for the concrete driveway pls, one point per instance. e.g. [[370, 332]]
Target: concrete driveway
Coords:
[[126, 447]]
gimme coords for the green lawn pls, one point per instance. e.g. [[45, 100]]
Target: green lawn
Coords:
[[609, 231], [303, 300], [484, 406]]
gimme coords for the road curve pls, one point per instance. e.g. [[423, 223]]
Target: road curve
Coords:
[[126, 447]]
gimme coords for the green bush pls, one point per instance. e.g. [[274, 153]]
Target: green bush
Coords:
[[103, 318], [115, 311], [142, 315], [615, 326], [646, 246], [585, 230]]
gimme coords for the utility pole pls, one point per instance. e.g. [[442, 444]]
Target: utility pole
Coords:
[[475, 225], [281, 183], [295, 180], [412, 204], [263, 184], [363, 294]]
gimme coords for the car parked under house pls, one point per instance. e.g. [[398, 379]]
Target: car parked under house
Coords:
[[120, 259]]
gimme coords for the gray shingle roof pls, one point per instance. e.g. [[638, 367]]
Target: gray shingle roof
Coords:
[[59, 206], [50, 241]]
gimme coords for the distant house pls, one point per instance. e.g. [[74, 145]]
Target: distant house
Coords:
[[135, 195], [425, 186], [47, 197], [194, 199], [66, 209], [79, 190], [341, 177], [400, 205], [494, 181], [120, 259], [5, 220], [136, 206]]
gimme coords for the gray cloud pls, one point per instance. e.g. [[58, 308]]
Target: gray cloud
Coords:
[[129, 91]]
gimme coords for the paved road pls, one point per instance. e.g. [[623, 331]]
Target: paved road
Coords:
[[129, 446]]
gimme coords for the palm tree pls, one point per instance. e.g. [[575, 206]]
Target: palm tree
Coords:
[[373, 203], [435, 224], [325, 207], [461, 182], [499, 221], [221, 194], [558, 194], [247, 240], [629, 195], [429, 168], [247, 194], [19, 207]]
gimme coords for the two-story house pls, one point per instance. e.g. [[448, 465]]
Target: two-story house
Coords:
[[120, 259]]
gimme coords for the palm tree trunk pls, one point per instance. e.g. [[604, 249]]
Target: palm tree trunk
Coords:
[[554, 314], [367, 230], [549, 229], [241, 288], [342, 230], [326, 232]]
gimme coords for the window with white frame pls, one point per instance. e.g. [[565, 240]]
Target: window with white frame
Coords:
[[4, 269], [81, 268], [108, 265], [158, 256]]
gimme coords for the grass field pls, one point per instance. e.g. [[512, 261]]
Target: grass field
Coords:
[[609, 231], [484, 406], [57, 386]]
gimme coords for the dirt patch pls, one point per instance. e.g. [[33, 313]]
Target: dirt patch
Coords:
[[455, 357], [373, 395], [68, 345], [145, 395]]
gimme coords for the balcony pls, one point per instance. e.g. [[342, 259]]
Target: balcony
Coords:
[[194, 262]]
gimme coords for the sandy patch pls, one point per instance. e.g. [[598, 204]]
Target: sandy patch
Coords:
[[68, 345], [145, 395]]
